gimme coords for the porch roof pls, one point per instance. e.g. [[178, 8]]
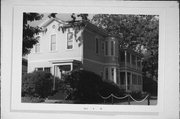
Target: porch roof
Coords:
[[64, 61]]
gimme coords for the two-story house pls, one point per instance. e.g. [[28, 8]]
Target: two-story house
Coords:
[[89, 48]]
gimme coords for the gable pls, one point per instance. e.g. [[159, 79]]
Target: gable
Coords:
[[49, 21]]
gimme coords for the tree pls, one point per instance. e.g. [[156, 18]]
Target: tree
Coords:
[[88, 86], [29, 32], [37, 83], [139, 32]]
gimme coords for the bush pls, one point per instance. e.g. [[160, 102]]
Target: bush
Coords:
[[108, 87], [88, 86], [150, 86], [37, 83], [136, 95]]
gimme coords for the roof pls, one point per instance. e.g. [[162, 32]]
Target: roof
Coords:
[[50, 20], [88, 25]]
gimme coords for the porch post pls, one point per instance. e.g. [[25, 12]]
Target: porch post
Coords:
[[115, 75], [126, 80], [125, 69], [54, 80], [131, 82], [71, 66]]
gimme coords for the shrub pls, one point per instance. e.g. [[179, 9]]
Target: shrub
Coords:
[[87, 86], [109, 87], [37, 83], [150, 86], [136, 95]]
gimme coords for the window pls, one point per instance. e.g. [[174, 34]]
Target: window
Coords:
[[103, 46], [122, 78], [101, 74], [134, 79], [53, 42], [47, 69], [133, 60], [65, 67], [107, 75], [112, 73], [37, 46], [118, 79], [70, 40], [97, 46], [39, 69], [128, 57], [128, 78], [139, 80], [112, 48], [138, 61], [122, 56], [106, 48]]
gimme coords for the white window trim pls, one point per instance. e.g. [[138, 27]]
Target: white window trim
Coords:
[[70, 31], [113, 48], [50, 42], [106, 48], [33, 49], [97, 45]]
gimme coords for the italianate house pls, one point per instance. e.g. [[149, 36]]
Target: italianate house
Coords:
[[63, 48]]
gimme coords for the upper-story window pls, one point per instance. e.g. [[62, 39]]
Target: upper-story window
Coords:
[[69, 40], [122, 78], [138, 61], [128, 57], [37, 46], [133, 59], [122, 56], [53, 42], [134, 79], [112, 48], [106, 73], [112, 73], [106, 47], [103, 46], [97, 45]]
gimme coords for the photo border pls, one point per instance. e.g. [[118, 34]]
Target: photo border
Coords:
[[15, 53]]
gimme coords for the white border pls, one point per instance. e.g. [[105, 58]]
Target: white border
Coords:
[[11, 63]]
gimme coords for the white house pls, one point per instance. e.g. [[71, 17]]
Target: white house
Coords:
[[90, 48]]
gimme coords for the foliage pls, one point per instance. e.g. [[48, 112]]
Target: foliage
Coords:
[[88, 86], [150, 86], [136, 95], [32, 99], [37, 84], [109, 87], [29, 32], [140, 33]]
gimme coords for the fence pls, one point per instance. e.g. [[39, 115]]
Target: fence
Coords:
[[128, 96]]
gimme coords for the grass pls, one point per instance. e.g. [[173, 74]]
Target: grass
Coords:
[[31, 99]]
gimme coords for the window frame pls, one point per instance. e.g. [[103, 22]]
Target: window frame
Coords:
[[53, 43], [68, 41], [112, 48]]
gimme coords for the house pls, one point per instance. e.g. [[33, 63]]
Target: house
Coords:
[[62, 48]]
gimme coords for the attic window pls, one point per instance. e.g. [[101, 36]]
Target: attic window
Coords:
[[53, 26]]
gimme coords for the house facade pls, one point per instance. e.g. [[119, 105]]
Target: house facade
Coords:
[[62, 50]]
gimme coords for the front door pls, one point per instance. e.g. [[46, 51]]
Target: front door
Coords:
[[63, 70]]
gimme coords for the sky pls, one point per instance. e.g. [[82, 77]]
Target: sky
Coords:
[[64, 17]]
